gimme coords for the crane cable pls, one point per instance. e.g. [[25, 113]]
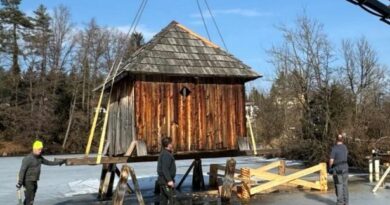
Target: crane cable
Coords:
[[214, 22], [204, 22], [216, 25]]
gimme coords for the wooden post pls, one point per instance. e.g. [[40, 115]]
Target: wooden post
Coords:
[[228, 180], [118, 173], [111, 181], [323, 177], [122, 186], [213, 178], [282, 167], [136, 187], [102, 189], [370, 170], [246, 183], [197, 176], [252, 136], [376, 169], [106, 181]]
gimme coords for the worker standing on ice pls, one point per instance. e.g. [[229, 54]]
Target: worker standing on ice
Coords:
[[166, 170], [30, 171], [339, 169]]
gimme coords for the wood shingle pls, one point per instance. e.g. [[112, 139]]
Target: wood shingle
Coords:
[[178, 51]]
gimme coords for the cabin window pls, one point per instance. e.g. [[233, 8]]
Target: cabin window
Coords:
[[185, 92]]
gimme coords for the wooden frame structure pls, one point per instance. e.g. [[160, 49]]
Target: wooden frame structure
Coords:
[[382, 180], [249, 178]]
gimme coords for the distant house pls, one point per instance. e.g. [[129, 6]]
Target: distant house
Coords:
[[180, 85], [251, 109]]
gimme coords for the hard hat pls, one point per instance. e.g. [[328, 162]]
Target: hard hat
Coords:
[[38, 144]]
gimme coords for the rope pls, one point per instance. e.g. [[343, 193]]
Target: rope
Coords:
[[216, 25], [204, 22]]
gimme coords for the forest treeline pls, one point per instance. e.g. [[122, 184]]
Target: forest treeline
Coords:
[[323, 88], [49, 68]]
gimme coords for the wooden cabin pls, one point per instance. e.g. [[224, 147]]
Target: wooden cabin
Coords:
[[181, 85]]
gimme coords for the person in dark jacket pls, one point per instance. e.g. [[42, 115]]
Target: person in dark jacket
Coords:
[[31, 170], [166, 170], [339, 169]]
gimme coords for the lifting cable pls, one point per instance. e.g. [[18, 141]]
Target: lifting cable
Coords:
[[116, 64], [214, 22], [216, 25], [204, 22]]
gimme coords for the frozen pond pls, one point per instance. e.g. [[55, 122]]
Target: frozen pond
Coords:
[[79, 184], [57, 182]]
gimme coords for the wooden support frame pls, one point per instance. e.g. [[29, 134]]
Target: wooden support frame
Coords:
[[136, 187], [118, 173], [197, 176], [250, 185], [106, 181], [119, 192], [382, 179], [185, 175], [277, 180]]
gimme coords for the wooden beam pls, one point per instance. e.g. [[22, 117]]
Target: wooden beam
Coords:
[[185, 175], [148, 158], [269, 166], [154, 157], [136, 187], [131, 148], [252, 136]]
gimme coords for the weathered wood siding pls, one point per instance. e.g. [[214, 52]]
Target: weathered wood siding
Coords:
[[121, 129], [211, 117]]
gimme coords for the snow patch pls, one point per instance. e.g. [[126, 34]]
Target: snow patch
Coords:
[[79, 187]]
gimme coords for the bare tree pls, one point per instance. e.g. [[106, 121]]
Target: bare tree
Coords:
[[306, 55], [361, 71], [62, 43]]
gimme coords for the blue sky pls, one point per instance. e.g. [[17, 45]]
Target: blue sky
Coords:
[[248, 26]]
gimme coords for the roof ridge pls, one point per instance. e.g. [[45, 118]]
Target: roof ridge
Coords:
[[151, 43], [207, 42]]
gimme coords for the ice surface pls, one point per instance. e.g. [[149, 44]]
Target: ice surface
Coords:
[[77, 184]]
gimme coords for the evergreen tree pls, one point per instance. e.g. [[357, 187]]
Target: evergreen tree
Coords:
[[13, 22]]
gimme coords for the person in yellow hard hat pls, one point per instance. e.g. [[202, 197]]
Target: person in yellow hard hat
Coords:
[[30, 171]]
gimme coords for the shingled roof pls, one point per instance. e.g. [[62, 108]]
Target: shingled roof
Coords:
[[178, 51]]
